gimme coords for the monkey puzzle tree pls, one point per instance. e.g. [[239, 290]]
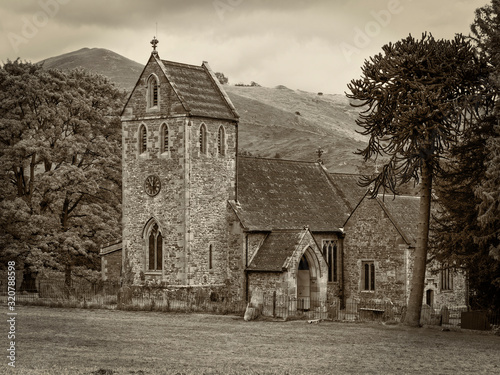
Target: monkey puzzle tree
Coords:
[[60, 166], [419, 96]]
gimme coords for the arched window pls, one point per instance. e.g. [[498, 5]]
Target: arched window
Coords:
[[203, 139], [143, 138], [165, 139], [153, 91], [155, 249], [330, 254], [368, 276], [221, 141], [446, 278], [210, 254]]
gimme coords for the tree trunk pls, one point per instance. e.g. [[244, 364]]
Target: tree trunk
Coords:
[[412, 317]]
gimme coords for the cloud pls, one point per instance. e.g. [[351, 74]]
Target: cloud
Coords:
[[296, 43]]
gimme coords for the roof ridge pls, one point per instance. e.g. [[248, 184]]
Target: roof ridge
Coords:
[[337, 189], [345, 174], [393, 220], [161, 64], [169, 62], [289, 230], [397, 195], [278, 159], [220, 89]]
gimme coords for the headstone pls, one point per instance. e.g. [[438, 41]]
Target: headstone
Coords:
[[250, 313], [445, 315], [124, 296]]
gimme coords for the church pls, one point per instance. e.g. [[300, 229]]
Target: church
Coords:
[[197, 214]]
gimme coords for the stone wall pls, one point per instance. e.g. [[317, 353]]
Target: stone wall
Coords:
[[455, 296], [191, 207], [371, 236], [166, 208], [268, 282], [236, 256], [111, 266], [212, 184]]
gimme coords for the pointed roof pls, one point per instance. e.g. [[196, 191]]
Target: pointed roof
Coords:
[[348, 187], [199, 90], [275, 250], [285, 194], [403, 212]]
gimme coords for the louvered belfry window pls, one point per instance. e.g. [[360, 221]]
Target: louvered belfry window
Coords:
[[203, 139], [165, 138], [143, 137], [153, 91]]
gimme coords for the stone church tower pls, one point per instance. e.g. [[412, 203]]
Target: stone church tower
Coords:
[[179, 136]]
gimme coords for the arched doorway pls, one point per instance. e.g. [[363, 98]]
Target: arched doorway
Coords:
[[311, 284], [303, 285], [429, 297]]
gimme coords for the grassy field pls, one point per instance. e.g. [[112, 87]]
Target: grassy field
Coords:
[[81, 341]]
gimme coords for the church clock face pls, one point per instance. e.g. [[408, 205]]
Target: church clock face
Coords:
[[152, 185]]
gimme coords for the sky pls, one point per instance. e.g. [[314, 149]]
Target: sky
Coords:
[[310, 45]]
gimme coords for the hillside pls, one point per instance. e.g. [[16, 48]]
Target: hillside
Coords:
[[294, 124], [120, 70], [291, 124]]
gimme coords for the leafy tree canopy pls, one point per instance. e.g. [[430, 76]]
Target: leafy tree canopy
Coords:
[[223, 80], [60, 166], [467, 225]]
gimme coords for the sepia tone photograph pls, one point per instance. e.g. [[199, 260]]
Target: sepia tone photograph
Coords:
[[250, 187]]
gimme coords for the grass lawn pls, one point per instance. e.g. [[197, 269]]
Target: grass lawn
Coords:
[[81, 341]]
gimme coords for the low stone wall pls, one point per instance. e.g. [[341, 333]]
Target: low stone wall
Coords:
[[214, 298]]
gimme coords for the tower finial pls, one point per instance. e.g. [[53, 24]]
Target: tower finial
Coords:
[[154, 43], [320, 152]]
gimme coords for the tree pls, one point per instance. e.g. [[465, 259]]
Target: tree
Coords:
[[456, 228], [418, 97], [222, 78], [467, 232], [486, 34], [60, 166]]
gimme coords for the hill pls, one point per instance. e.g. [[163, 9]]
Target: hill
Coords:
[[294, 124], [275, 122], [120, 70]]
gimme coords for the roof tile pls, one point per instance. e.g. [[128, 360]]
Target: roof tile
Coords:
[[199, 91], [275, 250], [403, 210], [284, 194]]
